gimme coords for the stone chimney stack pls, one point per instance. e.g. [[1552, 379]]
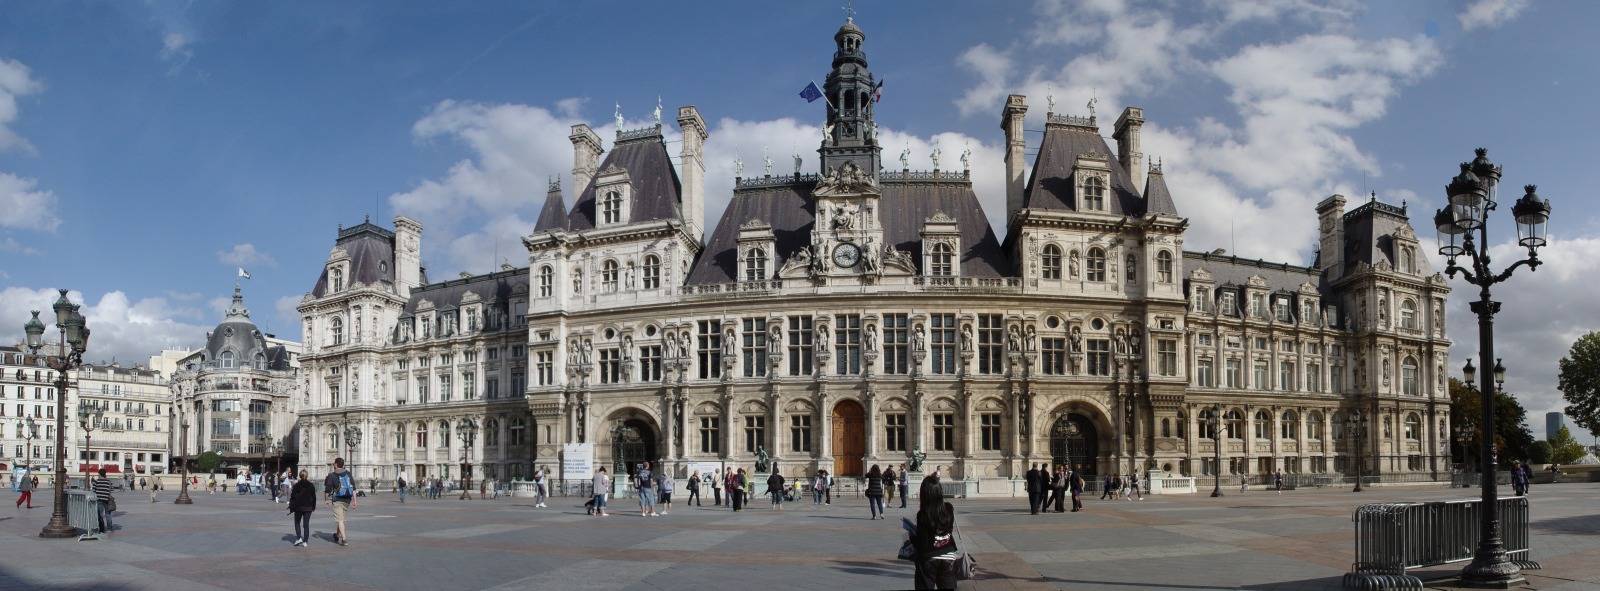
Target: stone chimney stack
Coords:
[[1016, 158], [1126, 133], [1330, 219], [693, 169], [407, 255], [585, 156]]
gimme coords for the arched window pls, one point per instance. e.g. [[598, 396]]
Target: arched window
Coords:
[[755, 264], [1132, 271], [1408, 377], [226, 359], [444, 435], [1094, 194], [547, 281], [652, 271], [491, 433], [1097, 264], [1314, 426], [1235, 422], [1164, 267], [943, 261], [1050, 262], [1291, 425], [260, 361], [336, 328], [1413, 427], [1207, 430], [1263, 425], [1408, 314], [608, 275], [337, 275], [611, 208]]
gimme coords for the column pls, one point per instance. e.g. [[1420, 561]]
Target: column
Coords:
[[967, 431], [1249, 437], [774, 418], [917, 422], [822, 427], [668, 426], [871, 424], [728, 425]]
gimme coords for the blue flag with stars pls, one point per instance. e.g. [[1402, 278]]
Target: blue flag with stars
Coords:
[[811, 93]]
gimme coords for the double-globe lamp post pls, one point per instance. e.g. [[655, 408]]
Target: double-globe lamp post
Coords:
[[1464, 231], [1215, 423], [74, 340], [89, 416], [468, 431], [1355, 429]]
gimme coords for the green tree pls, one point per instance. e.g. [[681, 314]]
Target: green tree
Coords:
[[1563, 448], [208, 461], [1511, 434], [1539, 453], [1580, 381]]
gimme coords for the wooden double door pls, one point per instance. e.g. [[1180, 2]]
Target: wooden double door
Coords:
[[849, 432]]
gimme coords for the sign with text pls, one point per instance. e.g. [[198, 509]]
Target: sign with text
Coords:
[[577, 461]]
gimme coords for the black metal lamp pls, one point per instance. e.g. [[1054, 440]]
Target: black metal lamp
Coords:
[[1467, 198], [35, 331], [1444, 221], [1532, 215], [62, 308], [1499, 375], [1471, 373]]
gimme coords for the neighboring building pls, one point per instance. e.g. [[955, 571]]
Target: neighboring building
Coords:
[[132, 435], [27, 391], [239, 394], [1553, 422], [167, 361], [853, 317]]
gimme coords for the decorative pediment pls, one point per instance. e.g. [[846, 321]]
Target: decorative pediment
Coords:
[[798, 406], [754, 224], [896, 405], [707, 408], [939, 217], [848, 179], [1256, 281], [895, 259], [1200, 275], [991, 404], [943, 404], [1308, 288], [1404, 232], [751, 407], [611, 170]]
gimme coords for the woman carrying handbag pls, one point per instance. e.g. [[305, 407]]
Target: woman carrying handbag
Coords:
[[939, 559]]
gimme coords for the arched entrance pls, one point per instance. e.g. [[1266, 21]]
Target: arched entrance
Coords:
[[633, 441], [1074, 441], [849, 434]]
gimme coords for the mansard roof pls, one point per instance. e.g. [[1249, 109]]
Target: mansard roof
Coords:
[[496, 287], [1369, 233], [1051, 185], [371, 250], [653, 180], [554, 214], [904, 204], [1229, 270], [1157, 198]]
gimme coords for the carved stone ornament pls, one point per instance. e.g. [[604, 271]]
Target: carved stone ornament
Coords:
[[847, 179]]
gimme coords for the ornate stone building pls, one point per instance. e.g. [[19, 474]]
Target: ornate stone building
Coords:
[[855, 315]]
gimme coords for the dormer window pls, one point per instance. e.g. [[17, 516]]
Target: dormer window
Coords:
[[755, 264], [1096, 267], [611, 208], [943, 261], [1094, 194], [1408, 261], [1258, 306], [1164, 267], [1228, 306], [226, 359], [337, 276], [1050, 262], [1284, 311], [547, 279], [652, 271], [608, 275]]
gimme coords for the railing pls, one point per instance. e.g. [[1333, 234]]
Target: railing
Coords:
[[924, 175], [773, 180], [83, 512], [1394, 537]]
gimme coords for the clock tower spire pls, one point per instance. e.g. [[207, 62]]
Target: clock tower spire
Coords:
[[850, 134]]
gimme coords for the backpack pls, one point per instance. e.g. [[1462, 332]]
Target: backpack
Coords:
[[346, 489]]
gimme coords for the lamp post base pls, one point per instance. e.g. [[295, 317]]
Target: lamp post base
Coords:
[[1216, 493], [1491, 570], [183, 499]]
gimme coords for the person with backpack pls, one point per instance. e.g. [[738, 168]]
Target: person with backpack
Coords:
[[664, 485], [25, 491], [934, 539], [302, 501], [889, 484], [644, 485], [775, 489], [399, 487], [875, 492], [342, 490]]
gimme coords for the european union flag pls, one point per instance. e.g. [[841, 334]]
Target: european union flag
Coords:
[[811, 93]]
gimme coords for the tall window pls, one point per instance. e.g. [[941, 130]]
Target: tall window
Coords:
[[944, 431], [1099, 357], [943, 260], [610, 366], [1094, 194], [547, 281], [1235, 422], [650, 363], [1336, 378], [710, 435], [1313, 377], [1263, 425], [652, 271], [445, 391], [338, 333], [1314, 426], [1413, 427], [1203, 373], [1284, 311], [1132, 271], [338, 279], [1408, 377], [468, 387], [896, 344], [1050, 262], [1097, 264], [399, 436], [942, 336], [1290, 427], [608, 275], [847, 344], [894, 431], [755, 432], [989, 430], [1232, 373], [544, 366], [611, 208], [1164, 267], [1259, 376], [1408, 315], [800, 433], [709, 341], [800, 345], [1167, 357], [519, 432], [1053, 354], [991, 344], [491, 433], [755, 264], [755, 347], [1286, 375], [422, 435]]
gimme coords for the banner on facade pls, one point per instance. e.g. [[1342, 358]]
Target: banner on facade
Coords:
[[577, 461], [704, 468]]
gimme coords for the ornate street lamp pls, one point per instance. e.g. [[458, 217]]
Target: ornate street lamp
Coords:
[[30, 432], [1215, 422], [352, 439], [89, 417], [1356, 429], [1472, 196], [467, 432], [1463, 435], [1499, 376], [183, 461], [73, 341]]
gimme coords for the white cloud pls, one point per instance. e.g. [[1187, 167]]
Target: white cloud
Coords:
[[1489, 13], [245, 255], [16, 80], [125, 329], [288, 315], [9, 244], [25, 206]]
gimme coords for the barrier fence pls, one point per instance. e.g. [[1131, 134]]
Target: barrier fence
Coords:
[[1394, 537], [83, 512]]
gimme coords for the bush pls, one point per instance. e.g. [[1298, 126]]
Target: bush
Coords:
[[1539, 452], [208, 461]]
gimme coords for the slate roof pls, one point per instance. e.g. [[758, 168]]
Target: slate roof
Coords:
[[1156, 196], [905, 205], [371, 250], [1228, 270], [1051, 185], [490, 288], [1369, 234], [653, 179], [236, 333], [554, 214]]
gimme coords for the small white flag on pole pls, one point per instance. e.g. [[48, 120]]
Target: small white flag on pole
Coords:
[[243, 273]]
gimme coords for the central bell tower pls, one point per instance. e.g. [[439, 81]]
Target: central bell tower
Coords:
[[850, 135], [847, 240]]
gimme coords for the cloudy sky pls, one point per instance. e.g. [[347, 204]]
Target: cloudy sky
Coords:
[[148, 149]]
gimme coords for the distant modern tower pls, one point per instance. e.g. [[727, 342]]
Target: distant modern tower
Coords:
[[1552, 424]]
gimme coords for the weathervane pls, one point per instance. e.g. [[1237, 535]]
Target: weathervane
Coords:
[[850, 10], [619, 117]]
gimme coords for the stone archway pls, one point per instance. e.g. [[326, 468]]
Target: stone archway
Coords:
[[631, 438], [849, 433], [1075, 441]]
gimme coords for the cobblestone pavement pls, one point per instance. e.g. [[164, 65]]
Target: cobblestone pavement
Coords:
[[1255, 540]]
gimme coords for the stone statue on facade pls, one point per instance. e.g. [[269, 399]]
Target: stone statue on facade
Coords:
[[657, 112], [766, 163], [738, 168], [1031, 342], [917, 457], [823, 337], [573, 353], [1135, 342], [1014, 341], [1122, 342], [798, 163], [672, 345], [844, 217], [730, 344], [869, 256], [905, 158], [1072, 265], [919, 341], [618, 116], [966, 159], [775, 339], [869, 337], [1077, 340], [627, 348], [966, 338], [588, 352], [763, 461], [935, 157]]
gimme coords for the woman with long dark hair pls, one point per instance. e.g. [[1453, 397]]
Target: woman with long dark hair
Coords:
[[875, 491], [935, 539]]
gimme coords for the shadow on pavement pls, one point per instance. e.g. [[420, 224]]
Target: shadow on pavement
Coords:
[[877, 569], [1577, 524], [9, 580]]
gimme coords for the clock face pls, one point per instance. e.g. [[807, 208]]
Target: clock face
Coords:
[[846, 255]]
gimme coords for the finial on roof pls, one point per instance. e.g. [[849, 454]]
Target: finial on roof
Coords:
[[366, 219], [1093, 98], [553, 183], [738, 168], [618, 115], [1374, 196], [766, 162], [1050, 99], [658, 110], [850, 11]]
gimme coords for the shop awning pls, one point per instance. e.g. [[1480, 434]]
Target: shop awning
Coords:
[[95, 468]]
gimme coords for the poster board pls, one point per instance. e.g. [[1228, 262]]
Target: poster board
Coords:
[[577, 461]]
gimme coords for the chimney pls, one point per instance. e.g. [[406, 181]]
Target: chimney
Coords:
[[1127, 135], [693, 169], [1330, 218], [585, 156], [407, 255], [1016, 160]]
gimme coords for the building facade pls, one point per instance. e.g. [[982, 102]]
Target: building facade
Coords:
[[859, 315], [131, 432], [28, 411]]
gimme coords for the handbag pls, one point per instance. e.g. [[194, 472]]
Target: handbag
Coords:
[[966, 565], [111, 505]]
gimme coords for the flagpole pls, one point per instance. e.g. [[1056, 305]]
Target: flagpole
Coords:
[[824, 95]]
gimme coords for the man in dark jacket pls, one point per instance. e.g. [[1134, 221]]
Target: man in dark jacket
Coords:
[[1032, 481], [891, 480], [1075, 480], [1058, 486]]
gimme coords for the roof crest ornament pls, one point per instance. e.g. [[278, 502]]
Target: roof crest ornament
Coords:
[[966, 158], [618, 115], [905, 158], [766, 162], [738, 168], [1093, 98], [658, 110], [935, 157], [1050, 100], [798, 162]]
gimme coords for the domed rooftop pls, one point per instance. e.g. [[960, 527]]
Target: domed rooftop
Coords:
[[237, 343]]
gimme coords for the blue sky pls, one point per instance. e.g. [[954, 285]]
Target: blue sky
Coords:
[[148, 149]]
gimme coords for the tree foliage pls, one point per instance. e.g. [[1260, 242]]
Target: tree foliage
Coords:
[[208, 461], [1539, 453], [1564, 449], [1580, 381], [1511, 434]]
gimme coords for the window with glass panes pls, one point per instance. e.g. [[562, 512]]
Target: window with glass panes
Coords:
[[1233, 373], [896, 344], [1167, 357], [942, 339], [1286, 375], [847, 344], [610, 366], [1203, 373], [1259, 376], [1099, 357], [1314, 377], [709, 342], [989, 431], [800, 433], [894, 427], [469, 390], [710, 435], [1053, 354], [755, 347], [544, 366], [755, 432], [800, 345], [991, 344], [650, 363], [944, 431]]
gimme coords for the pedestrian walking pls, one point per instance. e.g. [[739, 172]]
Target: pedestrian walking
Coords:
[[827, 488], [875, 491], [934, 539], [729, 483], [904, 486], [1519, 479], [1277, 481], [736, 487], [602, 485], [1243, 484], [538, 487], [1116, 486], [1105, 487], [1075, 480], [108, 503], [644, 485], [715, 479], [694, 489], [1058, 487], [1134, 494], [890, 483], [302, 501], [399, 487], [152, 489], [25, 491], [664, 490], [344, 499], [775, 489], [1031, 485]]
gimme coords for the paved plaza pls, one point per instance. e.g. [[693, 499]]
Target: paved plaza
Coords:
[[1255, 540]]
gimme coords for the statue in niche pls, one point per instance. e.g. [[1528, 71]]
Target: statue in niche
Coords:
[[627, 348], [1072, 265], [1122, 342], [919, 341], [966, 338], [1134, 341], [1077, 340], [823, 338], [1030, 344], [869, 256], [774, 339], [843, 217], [588, 351], [730, 344], [869, 337], [573, 353], [1014, 340], [672, 345]]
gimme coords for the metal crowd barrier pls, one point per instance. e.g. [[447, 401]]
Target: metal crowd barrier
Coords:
[[1394, 537], [83, 512]]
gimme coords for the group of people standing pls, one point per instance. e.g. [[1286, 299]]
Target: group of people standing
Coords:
[[1114, 486], [1051, 484]]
